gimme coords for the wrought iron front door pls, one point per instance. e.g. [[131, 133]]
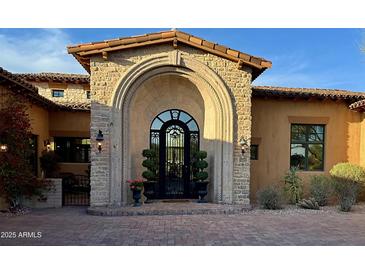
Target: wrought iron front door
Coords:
[[174, 137], [174, 155]]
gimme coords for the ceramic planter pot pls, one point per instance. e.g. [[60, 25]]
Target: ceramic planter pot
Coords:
[[137, 193], [149, 190], [201, 189]]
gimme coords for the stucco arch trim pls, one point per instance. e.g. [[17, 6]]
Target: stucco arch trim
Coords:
[[201, 75]]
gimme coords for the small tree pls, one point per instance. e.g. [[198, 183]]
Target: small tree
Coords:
[[16, 176], [199, 164], [151, 164], [293, 185]]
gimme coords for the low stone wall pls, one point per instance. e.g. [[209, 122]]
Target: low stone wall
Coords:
[[53, 197]]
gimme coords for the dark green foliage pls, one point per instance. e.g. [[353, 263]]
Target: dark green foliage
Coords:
[[346, 192], [149, 175], [270, 197], [149, 153], [293, 185], [49, 163], [201, 175], [320, 189], [199, 164], [151, 164], [310, 203]]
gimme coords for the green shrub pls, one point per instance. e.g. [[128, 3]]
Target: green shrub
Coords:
[[320, 189], [270, 197], [347, 181], [310, 203], [151, 164], [349, 172], [293, 185], [199, 164]]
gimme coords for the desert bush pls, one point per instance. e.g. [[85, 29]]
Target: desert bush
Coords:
[[320, 189], [347, 179], [310, 203], [293, 185], [270, 197], [346, 192]]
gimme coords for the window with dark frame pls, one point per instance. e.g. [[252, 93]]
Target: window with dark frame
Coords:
[[88, 96], [58, 93], [72, 150], [254, 151], [307, 147]]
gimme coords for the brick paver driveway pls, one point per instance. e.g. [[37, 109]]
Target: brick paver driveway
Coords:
[[72, 226]]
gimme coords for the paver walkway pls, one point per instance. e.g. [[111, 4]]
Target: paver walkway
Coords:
[[72, 226]]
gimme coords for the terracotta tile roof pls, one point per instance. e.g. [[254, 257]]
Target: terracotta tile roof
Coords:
[[82, 52], [74, 106], [20, 86], [16, 83], [358, 106], [307, 93], [55, 77]]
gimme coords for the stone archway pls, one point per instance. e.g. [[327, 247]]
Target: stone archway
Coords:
[[220, 112]]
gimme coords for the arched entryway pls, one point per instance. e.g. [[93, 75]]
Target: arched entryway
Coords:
[[174, 136], [214, 112]]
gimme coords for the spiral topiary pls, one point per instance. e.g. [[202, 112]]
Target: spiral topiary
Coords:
[[199, 164], [151, 164]]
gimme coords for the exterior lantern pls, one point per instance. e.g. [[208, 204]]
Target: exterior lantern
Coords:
[[244, 145], [3, 147], [100, 139], [47, 144]]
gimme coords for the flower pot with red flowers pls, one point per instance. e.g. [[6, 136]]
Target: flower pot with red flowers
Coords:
[[136, 187], [200, 176]]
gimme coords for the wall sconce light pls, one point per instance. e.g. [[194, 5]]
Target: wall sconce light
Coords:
[[100, 139], [3, 147], [244, 145], [47, 144]]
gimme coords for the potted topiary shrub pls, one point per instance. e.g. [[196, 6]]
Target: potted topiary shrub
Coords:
[[150, 174], [200, 176]]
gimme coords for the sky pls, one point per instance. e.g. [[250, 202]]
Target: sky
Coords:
[[314, 58]]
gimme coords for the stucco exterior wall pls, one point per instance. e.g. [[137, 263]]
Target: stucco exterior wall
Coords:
[[271, 131], [39, 118], [105, 77]]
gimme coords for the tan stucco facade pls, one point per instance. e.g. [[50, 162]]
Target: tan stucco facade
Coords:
[[271, 120]]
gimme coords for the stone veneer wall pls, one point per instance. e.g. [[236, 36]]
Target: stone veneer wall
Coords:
[[73, 93], [105, 75], [54, 197]]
